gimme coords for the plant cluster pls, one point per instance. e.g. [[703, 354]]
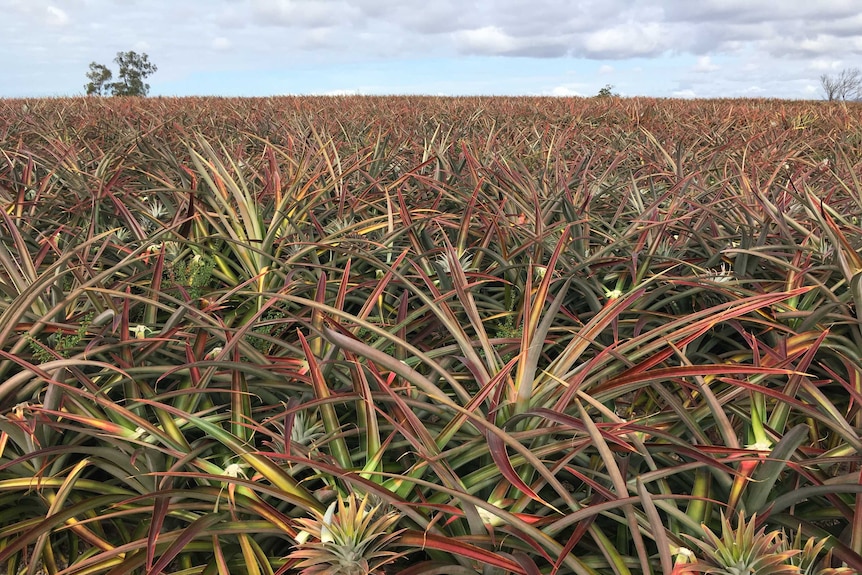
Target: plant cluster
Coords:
[[428, 335]]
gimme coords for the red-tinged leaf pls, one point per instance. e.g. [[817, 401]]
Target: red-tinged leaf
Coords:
[[464, 290], [478, 183], [410, 426], [423, 540], [687, 328], [427, 445], [599, 491], [580, 530], [125, 335], [529, 518], [194, 370], [658, 528], [35, 287], [661, 355], [848, 252], [380, 286], [160, 511], [404, 213], [778, 417], [263, 465], [54, 522], [240, 401], [130, 221], [318, 318], [683, 567], [851, 385], [856, 526], [367, 415], [188, 535], [577, 423], [106, 426], [342, 287], [23, 261], [529, 539], [529, 566], [218, 555], [619, 483], [746, 469], [573, 385], [429, 568], [270, 513], [597, 509], [588, 333], [497, 449], [337, 445], [488, 429], [665, 373], [545, 285], [289, 366], [498, 383], [535, 329]]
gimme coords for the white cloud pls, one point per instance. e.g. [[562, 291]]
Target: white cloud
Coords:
[[687, 93], [704, 64], [824, 65], [321, 37], [221, 43], [302, 13], [564, 92], [628, 40], [56, 17], [485, 40], [820, 44], [780, 45], [342, 92]]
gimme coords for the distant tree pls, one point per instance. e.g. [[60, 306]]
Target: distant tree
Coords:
[[98, 77], [845, 86], [606, 92], [134, 68]]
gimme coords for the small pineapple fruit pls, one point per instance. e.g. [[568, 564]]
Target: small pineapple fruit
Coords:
[[351, 538]]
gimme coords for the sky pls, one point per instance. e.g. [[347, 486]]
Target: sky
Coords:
[[662, 48]]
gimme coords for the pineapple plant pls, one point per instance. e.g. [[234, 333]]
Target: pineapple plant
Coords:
[[746, 551], [352, 537]]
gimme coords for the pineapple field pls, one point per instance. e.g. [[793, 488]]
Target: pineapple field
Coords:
[[422, 335]]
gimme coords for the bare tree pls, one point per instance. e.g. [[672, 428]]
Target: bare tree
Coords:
[[845, 86]]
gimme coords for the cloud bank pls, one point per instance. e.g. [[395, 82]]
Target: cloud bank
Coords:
[[704, 45]]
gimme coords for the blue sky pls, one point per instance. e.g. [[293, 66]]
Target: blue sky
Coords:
[[664, 48]]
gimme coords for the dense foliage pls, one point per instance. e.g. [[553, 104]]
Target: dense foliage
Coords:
[[133, 69], [430, 335]]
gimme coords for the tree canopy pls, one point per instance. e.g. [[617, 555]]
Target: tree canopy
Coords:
[[134, 68]]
